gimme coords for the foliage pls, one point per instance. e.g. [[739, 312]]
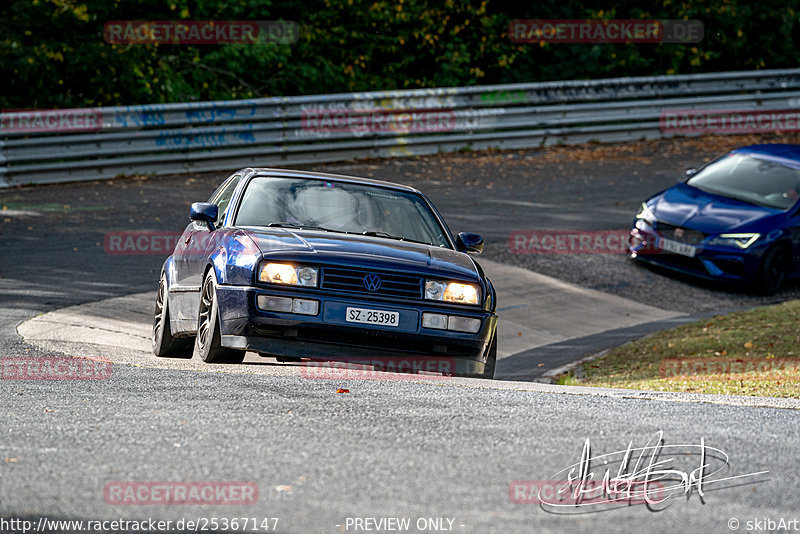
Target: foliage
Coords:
[[53, 55]]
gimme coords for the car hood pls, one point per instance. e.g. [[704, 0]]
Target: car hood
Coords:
[[689, 207], [362, 252]]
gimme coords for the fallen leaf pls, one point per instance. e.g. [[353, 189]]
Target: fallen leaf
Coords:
[[342, 390]]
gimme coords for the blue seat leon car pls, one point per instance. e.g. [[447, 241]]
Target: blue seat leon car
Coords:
[[296, 264], [736, 219]]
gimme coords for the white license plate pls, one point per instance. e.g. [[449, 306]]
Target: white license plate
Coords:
[[368, 316], [677, 248]]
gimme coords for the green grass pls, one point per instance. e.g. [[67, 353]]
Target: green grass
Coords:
[[756, 352]]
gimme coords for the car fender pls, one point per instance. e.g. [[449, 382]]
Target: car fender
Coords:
[[774, 238], [171, 275], [491, 290], [491, 297], [170, 270], [235, 259]]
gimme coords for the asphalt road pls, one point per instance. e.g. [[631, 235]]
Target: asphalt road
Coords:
[[388, 448]]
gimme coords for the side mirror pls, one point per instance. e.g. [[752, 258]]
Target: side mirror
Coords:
[[690, 172], [204, 212], [471, 243]]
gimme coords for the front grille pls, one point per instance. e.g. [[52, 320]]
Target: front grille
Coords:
[[682, 235], [391, 284], [683, 262]]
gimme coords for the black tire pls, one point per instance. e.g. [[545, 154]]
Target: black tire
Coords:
[[773, 270], [207, 344], [491, 361], [164, 343]]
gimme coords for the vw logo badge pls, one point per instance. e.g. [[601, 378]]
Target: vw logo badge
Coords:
[[372, 282]]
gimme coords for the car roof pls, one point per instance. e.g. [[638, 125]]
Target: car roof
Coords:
[[327, 176], [787, 154]]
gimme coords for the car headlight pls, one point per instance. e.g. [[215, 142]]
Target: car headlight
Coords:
[[739, 240], [645, 214], [286, 273], [458, 292]]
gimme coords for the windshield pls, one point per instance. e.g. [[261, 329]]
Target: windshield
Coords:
[[757, 181], [339, 207]]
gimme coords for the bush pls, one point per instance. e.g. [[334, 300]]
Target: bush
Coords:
[[53, 54]]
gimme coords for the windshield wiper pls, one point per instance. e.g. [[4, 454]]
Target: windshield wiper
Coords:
[[375, 233], [305, 227], [370, 233]]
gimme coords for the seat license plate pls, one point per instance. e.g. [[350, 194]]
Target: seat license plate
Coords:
[[678, 248]]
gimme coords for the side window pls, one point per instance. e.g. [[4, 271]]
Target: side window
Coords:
[[222, 197]]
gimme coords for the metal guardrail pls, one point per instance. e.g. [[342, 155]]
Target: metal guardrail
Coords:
[[280, 131]]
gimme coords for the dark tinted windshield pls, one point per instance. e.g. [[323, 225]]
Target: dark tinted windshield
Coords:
[[341, 207], [757, 181]]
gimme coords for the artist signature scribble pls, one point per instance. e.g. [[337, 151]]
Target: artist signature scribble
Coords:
[[651, 475]]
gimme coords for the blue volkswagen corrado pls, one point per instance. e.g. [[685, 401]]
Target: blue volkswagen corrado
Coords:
[[735, 219], [296, 264]]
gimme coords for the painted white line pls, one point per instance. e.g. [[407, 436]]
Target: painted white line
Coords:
[[537, 310], [569, 367], [665, 396]]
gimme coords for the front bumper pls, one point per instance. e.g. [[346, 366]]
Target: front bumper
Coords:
[[724, 263], [328, 336]]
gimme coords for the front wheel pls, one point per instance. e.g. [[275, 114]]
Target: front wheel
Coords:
[[207, 345], [773, 270]]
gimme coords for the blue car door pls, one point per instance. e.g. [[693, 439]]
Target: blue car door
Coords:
[[196, 243]]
